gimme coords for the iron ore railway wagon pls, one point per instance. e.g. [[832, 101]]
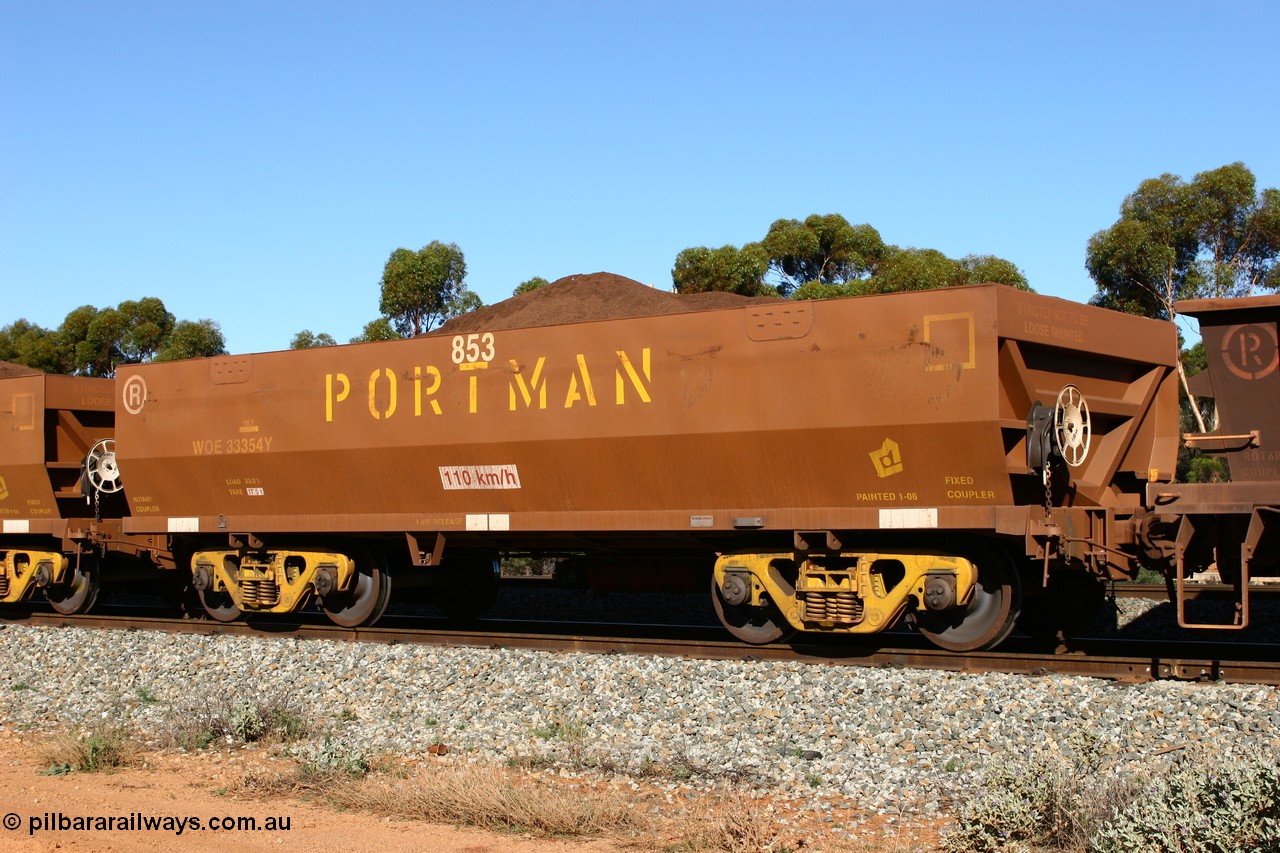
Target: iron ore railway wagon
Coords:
[[957, 458], [58, 533]]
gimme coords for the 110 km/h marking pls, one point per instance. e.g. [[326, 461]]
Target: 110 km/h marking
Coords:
[[479, 477]]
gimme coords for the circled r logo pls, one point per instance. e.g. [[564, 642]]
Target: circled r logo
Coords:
[[1250, 350], [134, 395]]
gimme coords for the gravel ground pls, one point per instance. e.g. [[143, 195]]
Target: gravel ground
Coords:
[[896, 740]]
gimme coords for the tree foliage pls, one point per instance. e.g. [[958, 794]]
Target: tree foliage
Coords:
[[306, 339], [1215, 236], [94, 341], [916, 269], [193, 339], [463, 302], [928, 269], [144, 327], [825, 249], [90, 335], [101, 339], [420, 288], [980, 269], [1194, 466], [727, 268], [532, 284], [23, 342], [824, 256], [377, 330], [819, 290]]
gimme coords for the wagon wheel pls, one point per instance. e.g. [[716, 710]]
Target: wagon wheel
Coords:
[[367, 598], [987, 619], [754, 625], [79, 592], [220, 605], [472, 589], [384, 595]]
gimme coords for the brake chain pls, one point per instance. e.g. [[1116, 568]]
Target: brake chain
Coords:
[[1048, 488]]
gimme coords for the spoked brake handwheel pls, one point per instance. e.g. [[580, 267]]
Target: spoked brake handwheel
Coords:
[[1072, 428], [101, 468]]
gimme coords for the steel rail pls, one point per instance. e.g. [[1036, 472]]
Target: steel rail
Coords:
[[1158, 591], [1146, 661]]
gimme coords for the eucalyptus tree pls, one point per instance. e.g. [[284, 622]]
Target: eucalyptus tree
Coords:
[[27, 343], [532, 284], [419, 288], [978, 269], [144, 326], [307, 339], [824, 256], [728, 268], [825, 249], [192, 339], [377, 330], [1215, 236]]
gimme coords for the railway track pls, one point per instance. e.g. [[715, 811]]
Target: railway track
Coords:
[[1158, 592], [1121, 660]]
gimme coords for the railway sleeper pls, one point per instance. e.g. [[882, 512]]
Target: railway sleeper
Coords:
[[23, 571], [849, 593], [272, 581]]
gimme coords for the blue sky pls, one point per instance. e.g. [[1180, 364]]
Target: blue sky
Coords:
[[255, 163]]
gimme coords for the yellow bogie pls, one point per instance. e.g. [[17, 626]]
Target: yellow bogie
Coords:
[[272, 581], [845, 593], [21, 571]]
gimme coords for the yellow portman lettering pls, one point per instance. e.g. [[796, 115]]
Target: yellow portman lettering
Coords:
[[528, 386]]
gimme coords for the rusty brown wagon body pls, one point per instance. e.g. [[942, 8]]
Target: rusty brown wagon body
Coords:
[[1233, 527], [839, 462], [53, 532]]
